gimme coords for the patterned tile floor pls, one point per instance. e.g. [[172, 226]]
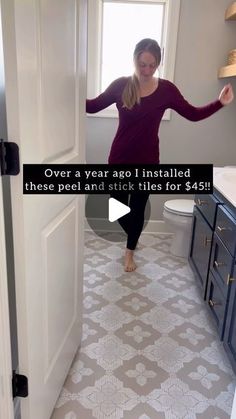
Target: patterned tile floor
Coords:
[[149, 349]]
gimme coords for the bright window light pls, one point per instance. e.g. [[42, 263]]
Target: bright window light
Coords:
[[114, 28], [124, 25]]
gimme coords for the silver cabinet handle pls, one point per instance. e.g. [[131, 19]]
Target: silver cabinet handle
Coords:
[[224, 228], [206, 241], [219, 264], [230, 279], [201, 202], [213, 303]]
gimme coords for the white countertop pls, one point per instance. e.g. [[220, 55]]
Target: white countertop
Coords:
[[224, 180]]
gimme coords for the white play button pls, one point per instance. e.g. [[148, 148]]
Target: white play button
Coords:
[[116, 209]]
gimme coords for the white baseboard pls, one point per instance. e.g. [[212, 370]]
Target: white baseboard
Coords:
[[101, 224]]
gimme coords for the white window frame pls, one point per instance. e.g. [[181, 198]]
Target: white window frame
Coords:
[[169, 44]]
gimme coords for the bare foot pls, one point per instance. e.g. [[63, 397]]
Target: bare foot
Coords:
[[129, 261]]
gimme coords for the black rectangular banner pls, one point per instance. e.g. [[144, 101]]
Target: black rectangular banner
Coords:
[[104, 178]]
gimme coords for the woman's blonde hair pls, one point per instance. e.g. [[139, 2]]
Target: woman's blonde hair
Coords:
[[131, 92]]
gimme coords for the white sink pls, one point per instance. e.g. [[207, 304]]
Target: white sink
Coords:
[[227, 175], [224, 179]]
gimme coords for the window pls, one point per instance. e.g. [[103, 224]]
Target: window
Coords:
[[115, 27]]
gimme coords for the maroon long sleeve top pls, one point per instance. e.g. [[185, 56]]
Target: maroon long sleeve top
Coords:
[[136, 140]]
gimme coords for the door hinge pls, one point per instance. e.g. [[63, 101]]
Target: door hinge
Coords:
[[9, 158], [19, 385]]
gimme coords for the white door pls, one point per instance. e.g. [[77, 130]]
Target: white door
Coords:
[[6, 405], [44, 45]]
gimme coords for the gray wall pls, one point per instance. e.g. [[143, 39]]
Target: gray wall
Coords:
[[204, 40]]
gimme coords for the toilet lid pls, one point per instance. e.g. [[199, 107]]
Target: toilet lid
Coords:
[[180, 206]]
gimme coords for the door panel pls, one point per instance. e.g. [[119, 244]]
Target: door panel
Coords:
[[60, 282], [58, 68], [45, 66]]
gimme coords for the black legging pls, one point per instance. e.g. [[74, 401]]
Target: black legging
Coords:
[[132, 223]]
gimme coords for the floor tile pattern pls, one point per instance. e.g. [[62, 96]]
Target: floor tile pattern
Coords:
[[149, 348]]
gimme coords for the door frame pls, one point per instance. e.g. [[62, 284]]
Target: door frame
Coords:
[[6, 399]]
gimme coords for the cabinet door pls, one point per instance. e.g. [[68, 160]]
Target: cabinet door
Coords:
[[221, 264], [200, 250], [207, 205], [230, 326], [216, 303], [226, 228]]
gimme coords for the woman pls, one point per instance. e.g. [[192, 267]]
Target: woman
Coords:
[[141, 101]]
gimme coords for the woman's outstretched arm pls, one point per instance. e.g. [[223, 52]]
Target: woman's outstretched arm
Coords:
[[197, 113], [106, 98]]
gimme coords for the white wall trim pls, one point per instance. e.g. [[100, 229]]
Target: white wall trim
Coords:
[[158, 226]]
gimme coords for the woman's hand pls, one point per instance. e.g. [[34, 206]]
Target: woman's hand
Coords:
[[226, 95]]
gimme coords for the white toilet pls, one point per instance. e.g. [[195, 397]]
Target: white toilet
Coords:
[[178, 215]]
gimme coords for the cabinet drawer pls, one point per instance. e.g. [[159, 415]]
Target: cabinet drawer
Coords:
[[200, 249], [221, 264], [226, 228], [216, 303], [207, 204]]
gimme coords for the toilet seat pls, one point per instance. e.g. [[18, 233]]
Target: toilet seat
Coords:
[[181, 207]]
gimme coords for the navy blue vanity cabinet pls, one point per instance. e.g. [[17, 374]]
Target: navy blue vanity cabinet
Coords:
[[212, 257], [218, 286], [221, 284], [204, 217], [229, 341], [225, 257]]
